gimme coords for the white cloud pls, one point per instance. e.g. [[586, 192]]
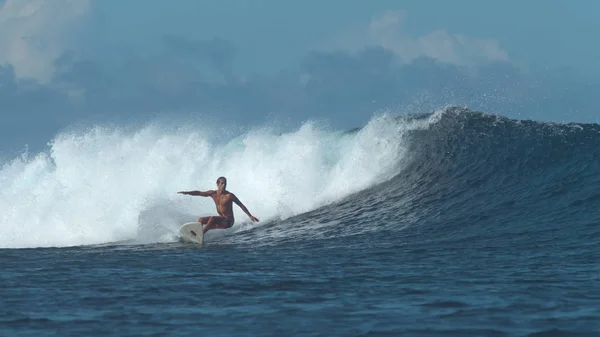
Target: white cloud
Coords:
[[386, 31], [33, 33]]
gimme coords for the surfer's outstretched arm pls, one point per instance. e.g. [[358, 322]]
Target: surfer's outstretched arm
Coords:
[[239, 203], [198, 193]]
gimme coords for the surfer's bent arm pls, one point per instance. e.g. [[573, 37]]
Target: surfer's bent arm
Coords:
[[239, 203], [198, 193]]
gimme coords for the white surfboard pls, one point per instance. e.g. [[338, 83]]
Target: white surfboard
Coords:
[[192, 232]]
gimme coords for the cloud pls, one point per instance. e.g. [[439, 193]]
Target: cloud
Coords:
[[386, 30], [181, 76], [326, 85], [35, 32]]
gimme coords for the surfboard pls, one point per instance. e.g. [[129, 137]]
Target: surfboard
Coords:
[[192, 232]]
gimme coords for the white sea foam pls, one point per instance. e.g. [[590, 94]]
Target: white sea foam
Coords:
[[106, 184]]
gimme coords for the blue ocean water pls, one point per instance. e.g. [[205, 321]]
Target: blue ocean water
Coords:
[[455, 223]]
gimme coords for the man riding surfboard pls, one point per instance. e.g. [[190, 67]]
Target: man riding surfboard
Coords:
[[224, 201]]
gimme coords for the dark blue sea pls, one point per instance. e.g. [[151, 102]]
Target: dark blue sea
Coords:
[[454, 223]]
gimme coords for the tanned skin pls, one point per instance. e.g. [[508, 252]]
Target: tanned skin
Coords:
[[224, 201]]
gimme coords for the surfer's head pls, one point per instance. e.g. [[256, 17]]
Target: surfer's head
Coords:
[[221, 183]]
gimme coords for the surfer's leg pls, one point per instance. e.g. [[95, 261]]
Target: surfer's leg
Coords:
[[220, 222]]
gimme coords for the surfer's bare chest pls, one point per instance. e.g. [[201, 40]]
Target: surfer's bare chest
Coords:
[[224, 200]]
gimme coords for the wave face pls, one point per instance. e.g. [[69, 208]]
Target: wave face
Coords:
[[488, 178], [453, 175]]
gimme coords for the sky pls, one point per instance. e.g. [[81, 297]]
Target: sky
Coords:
[[64, 62]]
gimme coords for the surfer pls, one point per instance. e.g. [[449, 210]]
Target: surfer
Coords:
[[223, 200]]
